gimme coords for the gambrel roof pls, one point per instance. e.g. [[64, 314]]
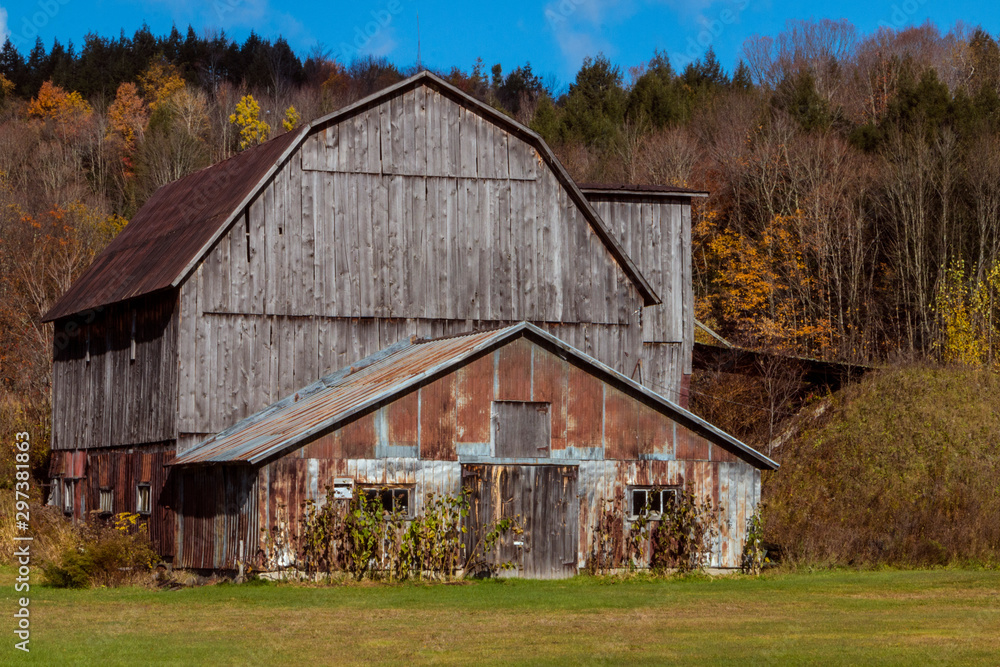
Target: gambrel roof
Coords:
[[335, 400], [183, 220]]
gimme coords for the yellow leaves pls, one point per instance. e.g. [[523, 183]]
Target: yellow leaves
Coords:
[[159, 82], [67, 110], [967, 316], [253, 130], [291, 120], [6, 87]]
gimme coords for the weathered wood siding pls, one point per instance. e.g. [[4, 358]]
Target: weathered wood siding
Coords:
[[100, 396], [417, 216], [656, 234]]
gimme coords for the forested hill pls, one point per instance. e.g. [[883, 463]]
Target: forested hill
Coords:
[[855, 179]]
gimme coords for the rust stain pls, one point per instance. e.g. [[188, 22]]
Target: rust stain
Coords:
[[401, 420], [514, 371], [584, 409], [437, 420], [620, 426], [551, 384], [473, 400], [358, 438]]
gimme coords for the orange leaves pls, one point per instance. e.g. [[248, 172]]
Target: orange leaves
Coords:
[[127, 118], [127, 115], [764, 288], [68, 111]]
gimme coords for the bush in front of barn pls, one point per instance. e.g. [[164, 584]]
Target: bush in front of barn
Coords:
[[359, 537], [98, 553], [899, 470]]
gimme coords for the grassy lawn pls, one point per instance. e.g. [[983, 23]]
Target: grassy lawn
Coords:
[[891, 617]]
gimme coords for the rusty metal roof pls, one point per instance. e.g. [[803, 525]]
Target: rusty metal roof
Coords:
[[336, 399], [172, 230], [182, 220], [590, 189]]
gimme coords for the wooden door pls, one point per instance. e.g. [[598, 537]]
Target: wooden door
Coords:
[[545, 498]]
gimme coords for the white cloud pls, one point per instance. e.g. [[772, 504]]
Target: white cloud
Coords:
[[382, 43], [576, 26]]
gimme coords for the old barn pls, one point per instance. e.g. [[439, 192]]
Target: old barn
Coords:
[[351, 301]]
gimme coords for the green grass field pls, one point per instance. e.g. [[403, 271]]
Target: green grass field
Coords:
[[841, 617]]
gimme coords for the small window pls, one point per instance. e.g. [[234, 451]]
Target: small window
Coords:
[[390, 499], [107, 501], [67, 496], [651, 500], [142, 499], [55, 497]]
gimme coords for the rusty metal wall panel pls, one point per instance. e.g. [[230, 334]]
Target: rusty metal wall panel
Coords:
[[514, 371], [122, 471], [216, 517], [358, 438], [621, 414], [550, 383], [437, 419], [402, 425], [585, 401], [475, 386]]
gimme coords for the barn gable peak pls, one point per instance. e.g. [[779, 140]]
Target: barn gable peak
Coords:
[[183, 220]]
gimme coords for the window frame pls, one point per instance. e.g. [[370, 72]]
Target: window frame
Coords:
[[393, 489], [67, 495], [111, 500], [138, 498], [663, 490]]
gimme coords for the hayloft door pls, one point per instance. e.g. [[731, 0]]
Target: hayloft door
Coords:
[[545, 499]]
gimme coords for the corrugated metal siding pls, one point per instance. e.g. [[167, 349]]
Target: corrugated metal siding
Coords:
[[216, 524], [121, 471]]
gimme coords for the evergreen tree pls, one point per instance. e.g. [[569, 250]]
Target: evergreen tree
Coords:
[[595, 104]]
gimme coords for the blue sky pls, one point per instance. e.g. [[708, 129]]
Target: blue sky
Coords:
[[554, 36]]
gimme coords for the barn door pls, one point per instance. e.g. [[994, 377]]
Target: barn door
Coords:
[[546, 499]]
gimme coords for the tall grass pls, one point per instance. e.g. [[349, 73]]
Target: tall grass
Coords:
[[903, 469]]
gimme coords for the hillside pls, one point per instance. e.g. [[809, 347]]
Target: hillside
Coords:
[[901, 469]]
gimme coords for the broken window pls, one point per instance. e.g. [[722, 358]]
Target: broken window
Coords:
[[107, 501], [650, 500], [395, 499], [67, 496], [142, 498]]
